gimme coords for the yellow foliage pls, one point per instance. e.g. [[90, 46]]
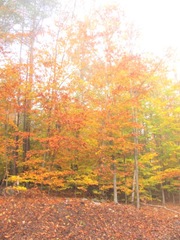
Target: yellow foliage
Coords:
[[148, 157]]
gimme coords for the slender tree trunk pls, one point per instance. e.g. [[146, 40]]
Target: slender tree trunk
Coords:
[[28, 101], [133, 187], [136, 161], [125, 181], [136, 142], [115, 183], [26, 129], [17, 118], [16, 150], [163, 195], [173, 199], [136, 172], [6, 151], [137, 180]]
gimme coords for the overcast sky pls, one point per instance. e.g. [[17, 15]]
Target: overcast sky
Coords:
[[158, 22]]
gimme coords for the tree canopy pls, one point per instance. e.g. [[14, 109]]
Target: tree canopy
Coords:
[[80, 112]]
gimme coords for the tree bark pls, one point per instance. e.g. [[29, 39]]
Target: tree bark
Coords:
[[136, 161], [163, 195], [115, 183]]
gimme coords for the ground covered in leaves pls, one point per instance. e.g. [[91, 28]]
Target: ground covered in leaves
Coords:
[[38, 217]]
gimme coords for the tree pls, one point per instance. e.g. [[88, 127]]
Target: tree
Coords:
[[79, 111]]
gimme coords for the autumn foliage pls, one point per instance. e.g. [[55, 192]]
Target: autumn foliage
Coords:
[[80, 113]]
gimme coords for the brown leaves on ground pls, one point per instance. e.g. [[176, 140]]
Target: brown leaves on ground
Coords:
[[40, 217]]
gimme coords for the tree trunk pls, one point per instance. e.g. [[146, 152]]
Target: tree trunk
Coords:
[[137, 183], [16, 149], [28, 100], [115, 183], [136, 165], [173, 198], [136, 142], [133, 187], [163, 195]]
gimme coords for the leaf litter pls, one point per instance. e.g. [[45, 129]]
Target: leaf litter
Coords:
[[41, 217]]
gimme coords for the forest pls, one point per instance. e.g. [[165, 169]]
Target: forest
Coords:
[[82, 113]]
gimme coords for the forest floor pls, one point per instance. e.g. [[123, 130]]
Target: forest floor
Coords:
[[37, 216]]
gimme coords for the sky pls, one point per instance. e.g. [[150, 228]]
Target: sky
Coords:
[[158, 22]]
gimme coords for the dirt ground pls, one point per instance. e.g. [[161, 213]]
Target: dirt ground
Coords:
[[36, 216]]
